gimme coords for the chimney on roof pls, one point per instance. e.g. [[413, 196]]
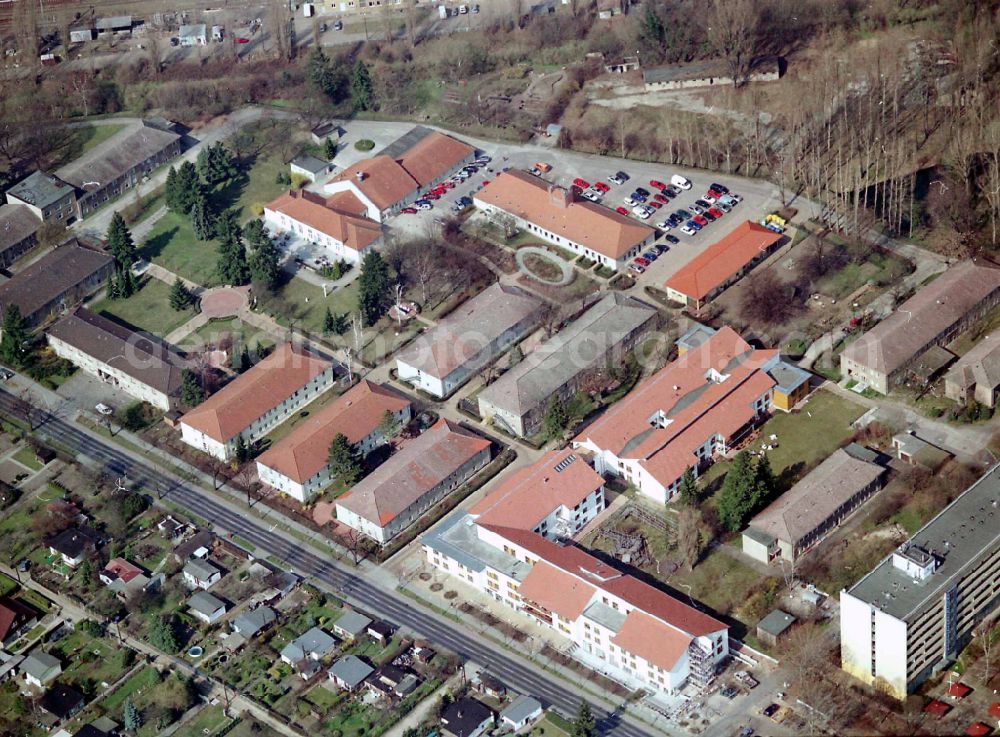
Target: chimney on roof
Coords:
[[560, 197]]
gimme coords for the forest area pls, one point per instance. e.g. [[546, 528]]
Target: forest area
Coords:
[[889, 111]]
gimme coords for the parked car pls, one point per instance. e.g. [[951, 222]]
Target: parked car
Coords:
[[409, 211], [618, 177], [637, 269], [702, 203], [601, 187], [774, 227], [672, 239], [656, 184], [700, 220], [535, 171], [660, 198], [746, 732], [543, 167], [643, 192], [719, 188], [693, 224], [688, 230], [475, 8], [708, 216], [466, 201], [709, 199], [432, 196], [653, 204], [696, 209], [581, 183], [591, 195], [338, 25], [322, 27], [104, 409], [729, 692], [651, 255], [483, 160], [630, 202], [643, 262], [770, 711], [642, 214], [661, 248], [6, 374], [714, 212], [720, 205], [423, 205], [175, 41], [622, 211], [678, 181], [664, 225], [672, 189], [682, 214]]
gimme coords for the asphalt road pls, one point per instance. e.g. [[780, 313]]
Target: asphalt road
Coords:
[[393, 607]]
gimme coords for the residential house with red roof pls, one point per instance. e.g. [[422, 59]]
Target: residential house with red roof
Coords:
[[394, 178], [410, 482], [339, 222], [510, 546], [692, 409], [257, 401], [16, 617], [297, 464], [557, 216]]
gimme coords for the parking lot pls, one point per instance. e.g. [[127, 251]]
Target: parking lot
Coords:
[[759, 197]]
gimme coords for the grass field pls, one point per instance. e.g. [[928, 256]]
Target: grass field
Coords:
[[26, 457], [806, 436], [552, 725], [207, 722], [148, 309], [233, 330]]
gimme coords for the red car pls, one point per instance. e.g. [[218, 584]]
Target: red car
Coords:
[[621, 211], [700, 220], [409, 211], [448, 185], [438, 191], [577, 189], [654, 204], [715, 212], [602, 187], [714, 193], [642, 262], [432, 196], [581, 183], [242, 40], [656, 184], [660, 198]]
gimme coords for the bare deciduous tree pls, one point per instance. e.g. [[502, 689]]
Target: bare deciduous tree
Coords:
[[733, 33]]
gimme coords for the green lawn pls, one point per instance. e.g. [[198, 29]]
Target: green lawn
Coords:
[[233, 330], [148, 309], [207, 722], [300, 303], [26, 457], [806, 436], [552, 725]]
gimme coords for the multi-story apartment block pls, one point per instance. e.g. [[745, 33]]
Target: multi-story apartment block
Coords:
[[50, 198], [691, 410], [912, 614], [258, 401], [509, 547], [298, 464]]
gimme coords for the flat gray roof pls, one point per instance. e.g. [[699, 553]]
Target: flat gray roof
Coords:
[[40, 189], [574, 349], [456, 538], [353, 622], [310, 163], [115, 21], [776, 622], [405, 142], [521, 708], [605, 616], [961, 534]]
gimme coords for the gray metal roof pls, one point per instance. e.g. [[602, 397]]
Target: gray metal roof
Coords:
[[521, 708], [112, 158], [579, 347], [776, 622], [957, 538], [313, 642], [250, 623], [38, 664], [353, 623], [405, 142], [196, 30], [201, 569], [40, 189], [205, 603], [310, 163], [760, 537], [351, 669], [456, 538], [17, 222], [789, 377], [115, 21], [605, 616], [695, 336]]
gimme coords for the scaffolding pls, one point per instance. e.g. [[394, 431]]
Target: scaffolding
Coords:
[[702, 666]]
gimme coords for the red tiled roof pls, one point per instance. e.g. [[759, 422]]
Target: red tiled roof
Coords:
[[641, 595], [527, 497], [322, 215], [959, 690], [13, 614], [381, 179], [978, 729], [122, 569], [419, 467], [554, 209], [652, 640], [556, 590], [433, 156], [937, 708], [716, 264], [695, 407], [995, 711], [231, 409], [303, 452]]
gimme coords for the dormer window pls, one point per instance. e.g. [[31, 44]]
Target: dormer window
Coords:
[[715, 377], [659, 419]]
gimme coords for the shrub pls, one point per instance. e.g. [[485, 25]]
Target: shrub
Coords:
[[257, 208], [364, 145]]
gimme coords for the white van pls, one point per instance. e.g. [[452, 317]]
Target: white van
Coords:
[[678, 181], [462, 10]]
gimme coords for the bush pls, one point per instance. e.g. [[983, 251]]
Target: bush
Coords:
[[364, 145], [257, 208], [299, 181]]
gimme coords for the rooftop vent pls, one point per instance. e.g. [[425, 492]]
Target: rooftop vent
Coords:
[[914, 561], [565, 463]]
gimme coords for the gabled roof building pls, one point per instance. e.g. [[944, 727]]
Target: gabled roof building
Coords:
[[933, 316], [682, 416], [976, 375], [257, 401], [507, 546], [555, 215], [338, 222], [413, 480], [467, 340], [18, 228], [297, 464], [586, 348]]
